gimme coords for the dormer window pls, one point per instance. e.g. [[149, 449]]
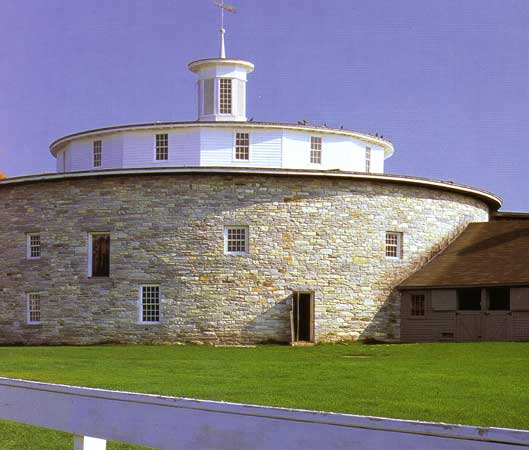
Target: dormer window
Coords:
[[97, 153], [242, 147], [368, 159], [315, 150], [162, 147], [225, 89]]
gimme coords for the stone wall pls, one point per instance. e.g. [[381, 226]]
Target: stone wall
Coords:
[[319, 234]]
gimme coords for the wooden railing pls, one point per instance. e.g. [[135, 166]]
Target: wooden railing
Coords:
[[189, 424]]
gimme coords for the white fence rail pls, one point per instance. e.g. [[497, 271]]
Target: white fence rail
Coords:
[[188, 424]]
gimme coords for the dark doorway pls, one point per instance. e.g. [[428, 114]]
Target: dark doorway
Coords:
[[302, 323]]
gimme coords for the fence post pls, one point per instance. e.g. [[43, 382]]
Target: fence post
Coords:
[[88, 443]]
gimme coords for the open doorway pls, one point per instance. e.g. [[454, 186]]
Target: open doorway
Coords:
[[302, 317]]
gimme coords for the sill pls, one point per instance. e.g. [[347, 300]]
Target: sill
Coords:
[[33, 258], [393, 258], [98, 280], [33, 323], [236, 253], [149, 323]]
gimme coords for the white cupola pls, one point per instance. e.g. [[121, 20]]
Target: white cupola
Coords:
[[221, 86]]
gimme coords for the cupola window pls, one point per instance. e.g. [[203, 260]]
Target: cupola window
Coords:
[[225, 95]]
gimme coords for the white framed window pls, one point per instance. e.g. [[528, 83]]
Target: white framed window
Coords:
[[149, 304], [393, 245], [315, 149], [242, 146], [99, 254], [162, 147], [225, 90], [368, 159], [33, 246], [236, 240], [33, 308], [418, 305], [97, 153]]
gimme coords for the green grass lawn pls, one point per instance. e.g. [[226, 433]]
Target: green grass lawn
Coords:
[[484, 384]]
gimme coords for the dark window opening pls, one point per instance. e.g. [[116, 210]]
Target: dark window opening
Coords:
[[469, 299], [100, 255], [417, 305], [499, 299]]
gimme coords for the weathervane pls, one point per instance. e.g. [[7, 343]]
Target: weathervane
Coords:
[[223, 6]]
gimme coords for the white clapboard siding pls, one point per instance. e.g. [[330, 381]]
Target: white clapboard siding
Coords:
[[338, 152], [188, 424], [139, 148], [377, 160], [112, 151], [59, 163], [218, 147]]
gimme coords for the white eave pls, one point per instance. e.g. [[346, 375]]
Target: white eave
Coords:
[[490, 199], [198, 65], [386, 145]]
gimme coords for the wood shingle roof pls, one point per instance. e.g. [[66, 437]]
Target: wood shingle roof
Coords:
[[485, 254]]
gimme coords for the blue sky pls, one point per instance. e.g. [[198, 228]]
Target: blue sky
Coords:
[[447, 81]]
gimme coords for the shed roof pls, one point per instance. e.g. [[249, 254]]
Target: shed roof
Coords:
[[485, 254]]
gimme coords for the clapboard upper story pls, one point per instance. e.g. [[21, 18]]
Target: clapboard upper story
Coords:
[[222, 136], [242, 144]]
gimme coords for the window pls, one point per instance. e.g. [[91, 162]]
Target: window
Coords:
[[33, 246], [209, 94], [368, 159], [417, 305], [469, 299], [150, 304], [315, 150], [225, 96], [499, 299], [393, 245], [99, 255], [162, 147], [33, 308], [242, 146], [97, 153], [236, 240]]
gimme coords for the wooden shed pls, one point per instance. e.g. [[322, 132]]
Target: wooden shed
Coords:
[[477, 289]]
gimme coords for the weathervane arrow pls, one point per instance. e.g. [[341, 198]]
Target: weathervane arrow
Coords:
[[224, 7]]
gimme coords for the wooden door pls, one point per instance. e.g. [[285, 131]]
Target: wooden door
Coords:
[[468, 326], [497, 326]]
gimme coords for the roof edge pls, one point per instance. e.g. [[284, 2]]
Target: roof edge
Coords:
[[494, 202], [387, 145], [459, 286]]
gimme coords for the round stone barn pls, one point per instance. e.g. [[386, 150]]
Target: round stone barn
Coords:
[[222, 230]]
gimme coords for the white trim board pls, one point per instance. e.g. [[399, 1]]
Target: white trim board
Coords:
[[171, 422]]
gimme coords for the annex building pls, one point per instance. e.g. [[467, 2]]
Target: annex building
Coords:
[[227, 230]]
